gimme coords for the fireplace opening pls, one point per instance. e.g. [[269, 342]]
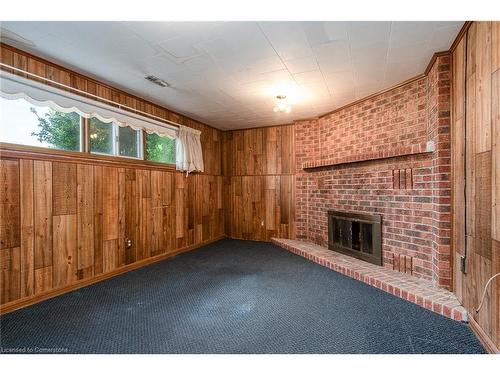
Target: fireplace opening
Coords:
[[355, 234]]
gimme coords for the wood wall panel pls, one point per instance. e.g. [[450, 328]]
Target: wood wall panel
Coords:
[[43, 280], [85, 222], [63, 188], [10, 278], [122, 219], [27, 229], [109, 203], [475, 164], [110, 255], [64, 249], [259, 151], [458, 160], [98, 219], [112, 205], [131, 215], [259, 183], [9, 204], [495, 150], [483, 86], [42, 182]]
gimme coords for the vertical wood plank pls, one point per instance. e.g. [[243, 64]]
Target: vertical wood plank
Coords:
[[63, 188], [145, 220], [43, 279], [10, 274], [110, 255], [482, 210], [110, 203], [42, 173], [9, 204], [470, 155], [495, 152], [122, 218], [495, 46], [64, 265], [495, 292], [132, 215], [85, 220], [483, 86], [27, 229], [98, 219], [179, 204]]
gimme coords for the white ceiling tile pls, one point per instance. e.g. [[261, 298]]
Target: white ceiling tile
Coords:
[[443, 37], [153, 32], [374, 54], [325, 32], [305, 64], [405, 53], [287, 38], [406, 33], [369, 32], [308, 77]]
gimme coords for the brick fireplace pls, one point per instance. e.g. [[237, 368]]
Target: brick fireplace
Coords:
[[388, 155], [355, 234]]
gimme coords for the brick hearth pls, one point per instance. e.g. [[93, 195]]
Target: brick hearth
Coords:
[[407, 287]]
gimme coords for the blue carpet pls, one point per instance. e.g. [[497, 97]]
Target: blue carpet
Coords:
[[232, 297]]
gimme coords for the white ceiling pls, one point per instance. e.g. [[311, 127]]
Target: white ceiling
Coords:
[[227, 74]]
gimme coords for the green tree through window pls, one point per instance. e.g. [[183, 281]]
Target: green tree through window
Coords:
[[58, 129], [160, 149], [62, 131]]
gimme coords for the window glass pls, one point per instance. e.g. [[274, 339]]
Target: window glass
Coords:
[[160, 149], [101, 137], [26, 124], [129, 142]]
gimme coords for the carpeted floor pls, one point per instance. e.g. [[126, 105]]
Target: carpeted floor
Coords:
[[233, 297]]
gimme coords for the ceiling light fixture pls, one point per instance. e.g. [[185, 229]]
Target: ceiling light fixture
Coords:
[[282, 105], [157, 81]]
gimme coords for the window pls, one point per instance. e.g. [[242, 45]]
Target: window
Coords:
[[111, 139], [160, 149], [30, 125]]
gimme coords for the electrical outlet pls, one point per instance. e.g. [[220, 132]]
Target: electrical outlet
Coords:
[[463, 264]]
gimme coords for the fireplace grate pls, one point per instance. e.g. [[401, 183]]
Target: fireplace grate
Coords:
[[356, 234]]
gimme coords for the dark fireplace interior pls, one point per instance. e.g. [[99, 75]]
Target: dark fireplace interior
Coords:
[[355, 234]]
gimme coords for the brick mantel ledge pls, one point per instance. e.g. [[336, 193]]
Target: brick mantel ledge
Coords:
[[407, 287], [420, 148]]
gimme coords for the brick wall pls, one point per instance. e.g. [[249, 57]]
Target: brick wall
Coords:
[[411, 189], [394, 119], [439, 89]]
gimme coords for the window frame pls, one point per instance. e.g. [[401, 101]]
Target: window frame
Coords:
[[115, 134], [145, 151], [85, 151]]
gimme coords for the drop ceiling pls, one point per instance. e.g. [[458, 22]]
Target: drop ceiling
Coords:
[[227, 74]]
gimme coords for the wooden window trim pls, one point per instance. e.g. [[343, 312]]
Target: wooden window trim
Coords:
[[10, 150], [84, 154]]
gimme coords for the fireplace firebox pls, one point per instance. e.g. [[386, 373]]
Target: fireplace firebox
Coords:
[[356, 234]]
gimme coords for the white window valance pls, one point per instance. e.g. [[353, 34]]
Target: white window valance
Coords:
[[13, 86], [189, 155]]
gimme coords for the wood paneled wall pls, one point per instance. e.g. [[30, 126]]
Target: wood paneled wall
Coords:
[[476, 168], [66, 218], [63, 222], [259, 183]]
